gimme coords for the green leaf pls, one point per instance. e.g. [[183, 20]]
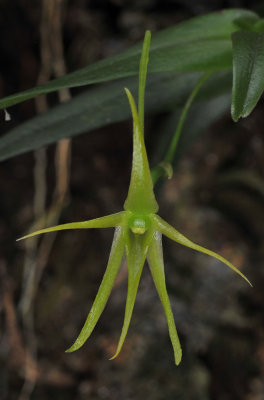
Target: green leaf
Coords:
[[246, 178], [202, 115], [104, 105], [248, 76], [200, 44], [259, 25], [211, 103], [248, 22]]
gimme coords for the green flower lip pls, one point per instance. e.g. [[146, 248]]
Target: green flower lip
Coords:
[[138, 234], [139, 223]]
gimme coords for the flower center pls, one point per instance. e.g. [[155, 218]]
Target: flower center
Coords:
[[139, 224]]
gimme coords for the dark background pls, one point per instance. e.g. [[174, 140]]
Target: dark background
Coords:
[[215, 198]]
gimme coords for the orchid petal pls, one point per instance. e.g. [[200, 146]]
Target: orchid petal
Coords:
[[109, 221], [136, 251], [173, 234], [105, 288], [156, 265]]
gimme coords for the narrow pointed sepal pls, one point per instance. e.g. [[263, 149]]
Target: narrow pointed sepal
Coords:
[[109, 221], [140, 196], [136, 251], [156, 265], [104, 291], [143, 68], [133, 282], [175, 235]]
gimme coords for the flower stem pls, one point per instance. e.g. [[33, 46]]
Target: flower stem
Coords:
[[159, 170]]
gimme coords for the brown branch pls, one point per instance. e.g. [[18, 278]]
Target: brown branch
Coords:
[[52, 61]]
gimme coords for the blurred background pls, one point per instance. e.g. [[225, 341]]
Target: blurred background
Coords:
[[216, 198]]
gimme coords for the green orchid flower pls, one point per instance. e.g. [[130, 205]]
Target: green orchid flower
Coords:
[[138, 234]]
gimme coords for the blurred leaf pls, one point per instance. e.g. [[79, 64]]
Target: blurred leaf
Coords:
[[104, 105], [211, 103], [248, 179], [200, 118], [259, 25], [239, 194], [248, 67], [200, 44], [247, 22]]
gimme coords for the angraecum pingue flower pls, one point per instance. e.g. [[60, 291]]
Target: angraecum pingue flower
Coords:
[[138, 234]]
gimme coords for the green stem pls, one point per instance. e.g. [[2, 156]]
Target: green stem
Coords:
[[158, 171], [142, 77]]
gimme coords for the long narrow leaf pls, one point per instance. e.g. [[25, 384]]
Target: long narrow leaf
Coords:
[[202, 43], [104, 105]]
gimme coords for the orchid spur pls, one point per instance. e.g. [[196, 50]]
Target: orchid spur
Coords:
[[138, 233]]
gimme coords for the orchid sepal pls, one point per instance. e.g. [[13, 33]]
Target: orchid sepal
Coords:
[[156, 265], [136, 248], [108, 221], [168, 230], [114, 263]]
